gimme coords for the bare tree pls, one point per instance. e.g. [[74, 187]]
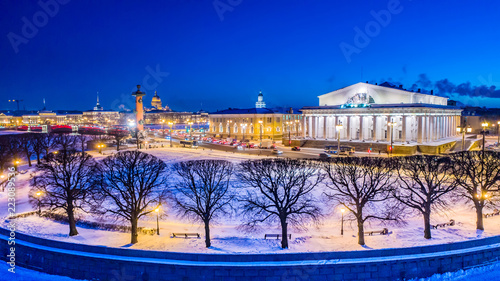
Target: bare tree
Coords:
[[66, 181], [48, 142], [82, 138], [131, 182], [26, 144], [424, 183], [477, 175], [280, 190], [38, 148], [358, 184], [13, 148], [66, 142], [5, 155], [118, 135], [203, 191]]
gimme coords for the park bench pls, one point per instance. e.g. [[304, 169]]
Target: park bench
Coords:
[[450, 223], [384, 231], [496, 212], [147, 230], [186, 235], [277, 236]]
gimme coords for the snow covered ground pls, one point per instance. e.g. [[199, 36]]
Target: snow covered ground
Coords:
[[227, 237]]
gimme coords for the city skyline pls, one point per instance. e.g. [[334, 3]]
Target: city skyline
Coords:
[[221, 54]]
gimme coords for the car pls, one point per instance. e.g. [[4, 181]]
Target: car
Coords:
[[239, 147], [324, 156], [276, 151], [295, 148], [250, 145]]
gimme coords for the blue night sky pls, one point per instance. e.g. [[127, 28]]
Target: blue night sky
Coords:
[[221, 53]]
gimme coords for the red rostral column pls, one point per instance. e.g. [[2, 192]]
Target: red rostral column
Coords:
[[139, 108]]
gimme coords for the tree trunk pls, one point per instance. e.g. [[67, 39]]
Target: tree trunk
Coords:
[[479, 214], [38, 157], [134, 234], [71, 220], [361, 232], [427, 224], [118, 145], [284, 234], [29, 159], [207, 234]]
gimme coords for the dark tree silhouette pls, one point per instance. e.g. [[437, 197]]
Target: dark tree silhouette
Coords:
[[81, 138], [66, 181], [280, 190], [203, 190], [131, 182], [66, 142], [423, 184], [5, 155], [38, 148], [26, 144], [477, 176], [118, 136], [48, 142], [360, 182], [13, 148]]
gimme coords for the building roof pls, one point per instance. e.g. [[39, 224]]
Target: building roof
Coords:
[[280, 110], [396, 105]]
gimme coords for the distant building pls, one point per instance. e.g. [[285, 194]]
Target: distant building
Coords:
[[156, 102], [250, 123], [260, 101]]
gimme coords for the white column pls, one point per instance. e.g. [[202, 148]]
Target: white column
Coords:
[[419, 129], [348, 137], [374, 128], [313, 127], [304, 126], [403, 135], [325, 127], [389, 129], [361, 128]]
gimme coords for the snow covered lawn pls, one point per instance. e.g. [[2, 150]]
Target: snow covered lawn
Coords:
[[227, 237]]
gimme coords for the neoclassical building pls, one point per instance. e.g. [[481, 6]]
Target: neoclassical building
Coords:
[[369, 112]]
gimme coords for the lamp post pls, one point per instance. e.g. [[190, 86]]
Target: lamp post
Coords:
[[229, 126], [38, 195], [1, 182], [100, 146], [157, 211], [342, 224], [297, 128], [392, 124], [498, 132], [338, 127], [243, 129], [190, 130], [162, 128], [171, 128], [16, 164], [260, 132], [462, 130], [146, 144], [484, 125], [288, 123]]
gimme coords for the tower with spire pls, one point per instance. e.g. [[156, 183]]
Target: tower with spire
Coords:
[[98, 106], [260, 101]]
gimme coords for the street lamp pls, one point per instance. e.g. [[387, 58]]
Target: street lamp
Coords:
[[229, 126], [190, 130], [484, 125], [297, 128], [462, 130], [162, 128], [260, 132], [288, 123], [243, 128], [100, 146], [157, 211], [498, 132], [392, 124], [146, 144], [16, 163], [171, 128], [338, 127], [38, 196], [342, 224]]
